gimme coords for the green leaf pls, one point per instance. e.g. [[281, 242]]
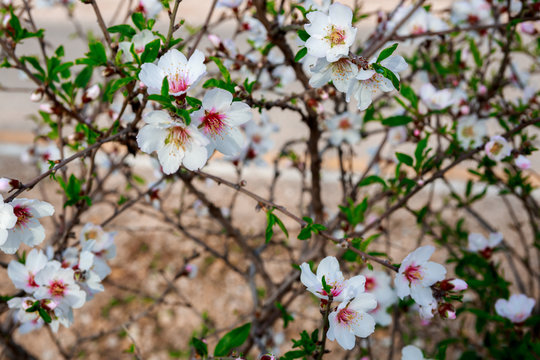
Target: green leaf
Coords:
[[219, 84], [222, 69], [404, 158], [476, 53], [138, 20], [387, 74], [303, 35], [232, 339], [45, 315], [115, 85], [184, 114], [122, 29], [327, 288], [193, 102], [97, 53], [270, 223], [409, 94], [386, 52], [165, 87], [305, 233], [151, 51], [200, 347], [397, 120], [83, 77], [368, 180], [300, 54]]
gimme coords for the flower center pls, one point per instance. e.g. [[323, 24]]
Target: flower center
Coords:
[[336, 289], [418, 29], [23, 215], [370, 283], [213, 123], [57, 288], [345, 124], [178, 82], [31, 282], [345, 316], [413, 273], [256, 139], [468, 131], [336, 36], [472, 19], [179, 136], [92, 234], [496, 148]]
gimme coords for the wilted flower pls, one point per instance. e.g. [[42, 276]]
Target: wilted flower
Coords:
[[517, 309]]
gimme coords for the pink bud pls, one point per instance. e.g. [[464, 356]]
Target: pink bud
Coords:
[[91, 93], [522, 162], [416, 132], [46, 108], [527, 27], [36, 96], [420, 182], [459, 285], [214, 39], [451, 315], [4, 184], [465, 109], [482, 90]]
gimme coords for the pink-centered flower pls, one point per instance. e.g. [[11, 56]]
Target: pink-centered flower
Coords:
[[378, 283], [101, 244], [331, 35], [417, 274], [517, 309], [351, 319], [219, 119], [478, 243], [27, 229], [23, 275], [58, 284], [175, 142], [522, 162], [150, 8], [181, 74], [345, 128], [328, 268]]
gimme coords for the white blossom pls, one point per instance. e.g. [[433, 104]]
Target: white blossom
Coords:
[[150, 8], [344, 128], [219, 119], [23, 275], [175, 142], [411, 352], [417, 274], [181, 73], [497, 148], [478, 243], [470, 132], [436, 99], [370, 83], [331, 35], [27, 228], [351, 319], [517, 309]]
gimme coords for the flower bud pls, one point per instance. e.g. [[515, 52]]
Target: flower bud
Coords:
[[91, 93], [36, 95], [459, 285], [522, 162], [482, 90], [447, 311]]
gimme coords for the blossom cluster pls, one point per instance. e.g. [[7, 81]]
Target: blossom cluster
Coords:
[[55, 284]]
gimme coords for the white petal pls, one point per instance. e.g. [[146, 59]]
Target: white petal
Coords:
[[316, 47], [328, 267], [239, 113], [340, 15], [422, 254], [218, 100], [196, 67], [318, 23], [402, 286], [151, 138], [195, 158], [231, 143], [172, 62], [320, 78], [433, 272], [395, 63], [364, 325], [421, 295], [152, 77], [307, 277], [170, 158]]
